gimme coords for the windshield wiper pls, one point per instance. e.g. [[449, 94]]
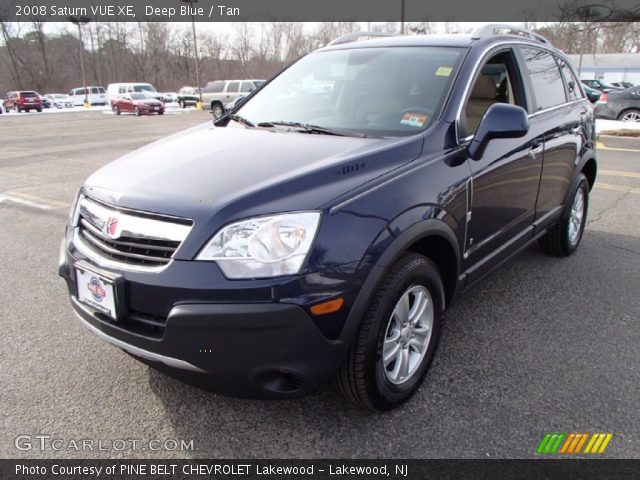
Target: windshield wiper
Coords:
[[240, 119], [309, 128]]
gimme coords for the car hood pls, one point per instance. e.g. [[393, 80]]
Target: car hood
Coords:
[[237, 172]]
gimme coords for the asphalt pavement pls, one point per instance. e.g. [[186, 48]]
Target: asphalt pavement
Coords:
[[542, 345]]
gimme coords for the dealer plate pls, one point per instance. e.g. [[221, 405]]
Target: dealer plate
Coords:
[[96, 291]]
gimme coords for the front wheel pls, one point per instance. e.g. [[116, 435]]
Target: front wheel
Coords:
[[116, 110], [136, 111], [564, 237], [397, 338]]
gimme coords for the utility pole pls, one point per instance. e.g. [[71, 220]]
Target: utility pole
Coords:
[[195, 48], [79, 21], [402, 17]]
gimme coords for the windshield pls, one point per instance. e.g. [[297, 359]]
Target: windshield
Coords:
[[371, 91], [142, 96], [143, 88]]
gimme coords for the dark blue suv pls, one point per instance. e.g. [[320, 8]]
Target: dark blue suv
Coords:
[[321, 228]]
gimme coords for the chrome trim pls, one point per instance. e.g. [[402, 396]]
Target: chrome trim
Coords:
[[92, 216], [137, 351], [95, 232], [135, 226]]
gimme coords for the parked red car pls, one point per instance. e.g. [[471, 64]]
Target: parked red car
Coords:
[[137, 103], [23, 101]]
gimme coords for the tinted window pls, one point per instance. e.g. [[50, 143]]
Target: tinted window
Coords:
[[573, 86], [233, 87], [28, 94], [214, 87], [545, 78]]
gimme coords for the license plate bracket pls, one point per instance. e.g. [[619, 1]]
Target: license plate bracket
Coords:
[[100, 290]]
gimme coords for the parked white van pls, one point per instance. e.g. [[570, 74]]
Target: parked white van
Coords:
[[116, 89], [95, 95]]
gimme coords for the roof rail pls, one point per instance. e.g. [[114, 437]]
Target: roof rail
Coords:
[[506, 29], [352, 37]]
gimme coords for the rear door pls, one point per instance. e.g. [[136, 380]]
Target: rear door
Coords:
[[232, 92], [559, 114]]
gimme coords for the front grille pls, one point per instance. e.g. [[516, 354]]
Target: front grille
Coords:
[[128, 238]]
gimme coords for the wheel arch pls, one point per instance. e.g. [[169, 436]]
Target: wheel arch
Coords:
[[431, 237]]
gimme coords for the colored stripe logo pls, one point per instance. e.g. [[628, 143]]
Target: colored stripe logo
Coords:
[[573, 443]]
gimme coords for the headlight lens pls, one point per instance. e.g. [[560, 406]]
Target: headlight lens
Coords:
[[263, 246]]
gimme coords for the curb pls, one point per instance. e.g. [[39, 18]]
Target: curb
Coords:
[[613, 141]]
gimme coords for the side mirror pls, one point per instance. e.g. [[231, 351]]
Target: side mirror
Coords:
[[501, 120], [593, 95]]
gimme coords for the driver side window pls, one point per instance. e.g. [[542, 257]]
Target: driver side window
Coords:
[[496, 82]]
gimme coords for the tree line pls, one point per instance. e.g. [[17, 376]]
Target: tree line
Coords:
[[163, 53]]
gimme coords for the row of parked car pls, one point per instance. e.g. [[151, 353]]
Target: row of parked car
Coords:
[[614, 101]]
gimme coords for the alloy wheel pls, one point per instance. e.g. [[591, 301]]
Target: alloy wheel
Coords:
[[408, 334]]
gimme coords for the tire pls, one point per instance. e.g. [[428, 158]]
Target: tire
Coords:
[[564, 237], [217, 109], [161, 112], [40, 110], [136, 111], [364, 378], [116, 110], [630, 115]]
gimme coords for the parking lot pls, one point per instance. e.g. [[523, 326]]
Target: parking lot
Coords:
[[541, 345]]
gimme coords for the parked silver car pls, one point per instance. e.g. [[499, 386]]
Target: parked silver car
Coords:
[[221, 92]]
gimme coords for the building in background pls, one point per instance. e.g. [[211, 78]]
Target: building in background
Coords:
[[610, 67]]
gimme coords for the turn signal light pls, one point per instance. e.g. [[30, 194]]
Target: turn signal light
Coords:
[[328, 307]]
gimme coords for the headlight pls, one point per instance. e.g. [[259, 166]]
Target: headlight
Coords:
[[263, 246]]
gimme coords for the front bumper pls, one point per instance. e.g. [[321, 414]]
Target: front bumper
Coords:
[[251, 344]]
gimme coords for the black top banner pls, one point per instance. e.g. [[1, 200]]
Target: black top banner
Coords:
[[325, 10]]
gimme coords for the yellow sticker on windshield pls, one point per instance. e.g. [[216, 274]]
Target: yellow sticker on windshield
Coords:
[[443, 71]]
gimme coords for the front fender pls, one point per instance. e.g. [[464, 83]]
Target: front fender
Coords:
[[389, 246]]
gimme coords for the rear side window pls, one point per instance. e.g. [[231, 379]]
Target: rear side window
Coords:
[[214, 87], [247, 87], [572, 83], [548, 87], [233, 87]]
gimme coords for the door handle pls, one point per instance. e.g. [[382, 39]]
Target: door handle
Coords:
[[535, 151]]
